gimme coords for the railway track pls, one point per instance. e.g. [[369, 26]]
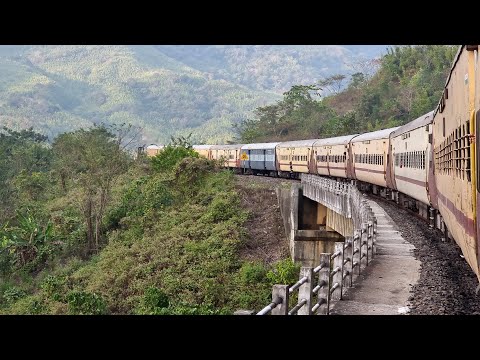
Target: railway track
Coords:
[[446, 285]]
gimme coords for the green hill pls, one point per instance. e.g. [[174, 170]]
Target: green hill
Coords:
[[167, 90], [408, 84]]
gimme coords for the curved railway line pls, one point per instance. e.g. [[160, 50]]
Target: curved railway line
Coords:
[[446, 285]]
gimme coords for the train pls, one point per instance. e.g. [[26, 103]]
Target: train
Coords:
[[428, 165]]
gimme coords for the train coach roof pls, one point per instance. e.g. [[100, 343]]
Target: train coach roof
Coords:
[[415, 124], [298, 143], [260, 146], [226, 147], [339, 140], [455, 60], [380, 134], [202, 147], [155, 147]]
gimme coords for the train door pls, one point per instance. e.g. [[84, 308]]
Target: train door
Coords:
[[264, 159], [329, 157], [292, 153]]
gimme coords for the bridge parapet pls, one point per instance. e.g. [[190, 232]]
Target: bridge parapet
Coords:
[[342, 197], [318, 286]]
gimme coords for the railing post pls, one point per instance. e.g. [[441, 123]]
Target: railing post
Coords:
[[338, 277], [369, 242], [357, 240], [348, 261], [305, 291], [363, 242], [374, 241], [324, 276], [280, 292]]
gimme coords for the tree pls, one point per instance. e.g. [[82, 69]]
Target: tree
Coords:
[[92, 159], [25, 151], [357, 80], [332, 83], [367, 67]]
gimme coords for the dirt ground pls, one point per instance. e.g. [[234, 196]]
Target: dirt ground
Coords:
[[266, 234]]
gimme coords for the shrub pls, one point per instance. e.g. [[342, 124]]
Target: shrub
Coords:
[[284, 272], [84, 303], [53, 287], [155, 298], [12, 294], [170, 155], [252, 273]]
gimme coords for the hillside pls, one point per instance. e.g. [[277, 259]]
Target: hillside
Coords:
[[173, 234], [408, 84], [167, 90]]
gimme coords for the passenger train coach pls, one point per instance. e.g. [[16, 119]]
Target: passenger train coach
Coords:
[[428, 165]]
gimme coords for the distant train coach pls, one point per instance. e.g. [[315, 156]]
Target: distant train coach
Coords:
[[258, 158], [153, 149]]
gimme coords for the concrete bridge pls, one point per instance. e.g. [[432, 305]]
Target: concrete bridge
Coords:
[[335, 233]]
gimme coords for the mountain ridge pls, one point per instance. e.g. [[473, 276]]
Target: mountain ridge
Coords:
[[167, 90]]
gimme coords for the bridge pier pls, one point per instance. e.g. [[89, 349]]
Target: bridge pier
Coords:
[[311, 228]]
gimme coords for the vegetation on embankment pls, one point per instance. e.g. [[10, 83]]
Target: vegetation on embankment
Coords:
[[88, 230], [408, 84]]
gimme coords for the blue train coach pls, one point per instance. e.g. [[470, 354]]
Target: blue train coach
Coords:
[[258, 158]]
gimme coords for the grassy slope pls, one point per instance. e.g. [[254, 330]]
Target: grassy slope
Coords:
[[179, 238]]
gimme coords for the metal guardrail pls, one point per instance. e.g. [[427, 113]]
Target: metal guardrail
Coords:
[[336, 272]]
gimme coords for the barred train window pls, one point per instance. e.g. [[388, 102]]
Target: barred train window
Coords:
[[452, 156]]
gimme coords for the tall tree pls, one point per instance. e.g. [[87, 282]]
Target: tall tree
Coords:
[[92, 159]]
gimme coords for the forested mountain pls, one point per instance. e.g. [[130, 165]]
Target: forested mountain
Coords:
[[408, 84], [167, 90]]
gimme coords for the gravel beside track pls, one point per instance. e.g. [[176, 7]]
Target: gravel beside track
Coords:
[[447, 284]]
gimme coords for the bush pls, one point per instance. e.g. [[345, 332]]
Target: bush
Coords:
[[84, 303], [223, 207], [169, 156], [155, 298], [53, 287], [27, 305], [252, 273], [13, 294], [284, 272]]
